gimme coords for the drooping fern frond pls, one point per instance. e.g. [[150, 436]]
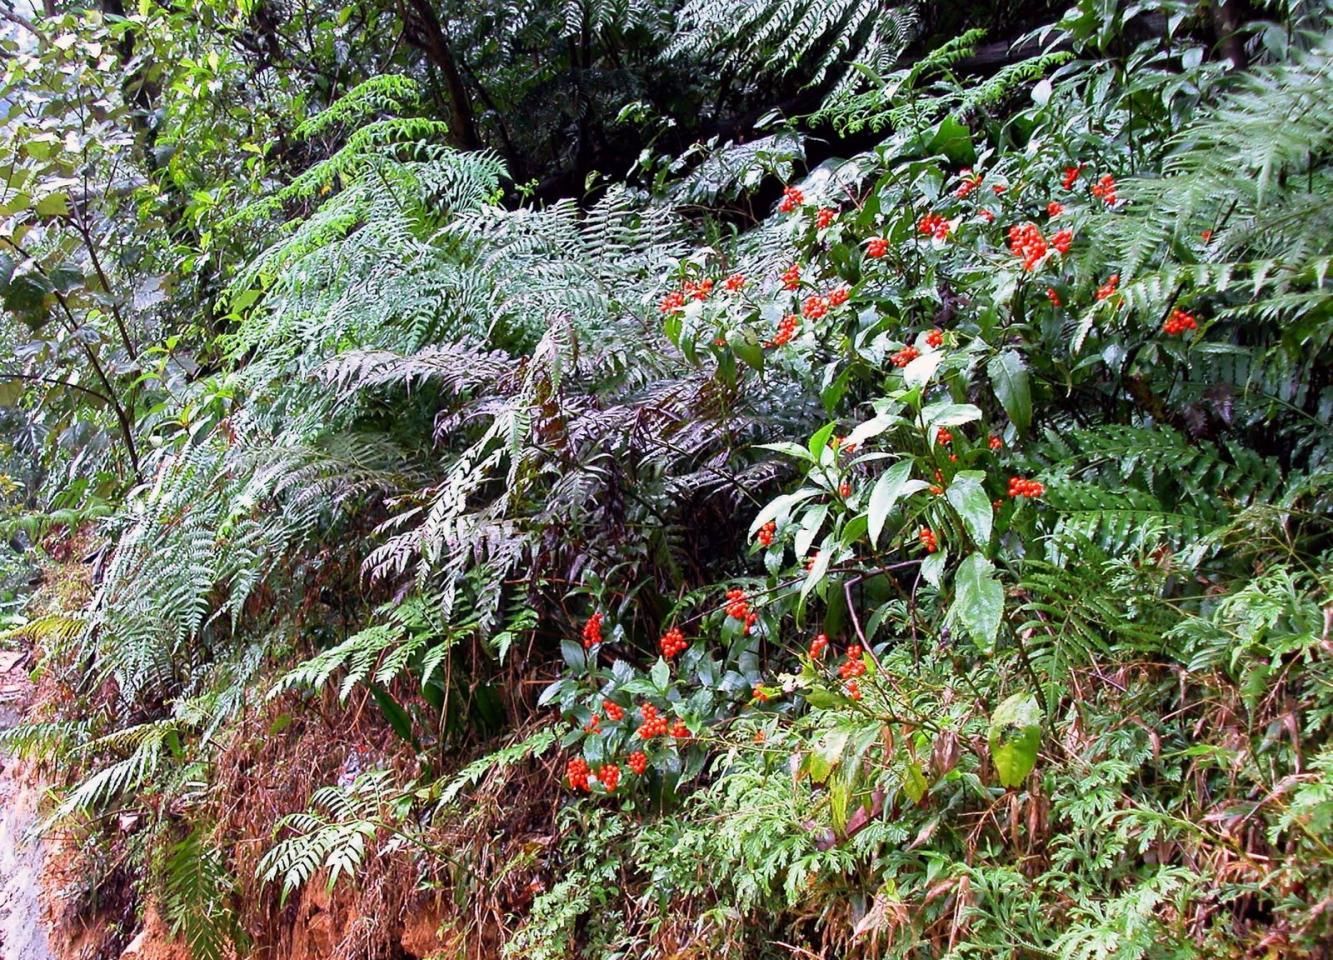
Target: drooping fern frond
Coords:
[[818, 40]]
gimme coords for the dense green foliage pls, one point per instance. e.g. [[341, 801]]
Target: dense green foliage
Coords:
[[962, 511]]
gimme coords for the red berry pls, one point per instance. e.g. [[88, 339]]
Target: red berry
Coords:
[[638, 762], [1108, 289], [824, 219], [927, 537], [905, 356], [943, 437], [614, 711], [1053, 295], [876, 247], [844, 490], [1071, 174], [734, 282], [815, 307], [766, 534], [838, 297], [791, 277], [609, 776]]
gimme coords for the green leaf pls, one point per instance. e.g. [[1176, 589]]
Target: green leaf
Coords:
[[660, 675], [914, 782], [932, 568], [53, 205], [969, 498], [820, 440], [826, 753], [1014, 736], [886, 492], [978, 604], [953, 140], [1009, 378], [393, 712], [919, 371], [748, 348]]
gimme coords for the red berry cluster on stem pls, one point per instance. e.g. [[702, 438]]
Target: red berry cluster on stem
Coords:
[[792, 198], [592, 631], [766, 534], [905, 356], [577, 773], [855, 665], [654, 723], [672, 643], [818, 645], [928, 541], [1021, 487], [1179, 322]]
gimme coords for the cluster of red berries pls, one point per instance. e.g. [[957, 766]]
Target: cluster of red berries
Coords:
[[811, 560], [758, 694], [927, 537], [672, 302], [614, 711], [672, 643], [970, 182], [986, 215], [577, 772], [792, 198], [1020, 487], [734, 282], [592, 631], [654, 723], [766, 534], [852, 689], [738, 608], [933, 225], [998, 189], [1109, 288], [791, 277], [844, 489], [689, 290], [680, 731], [609, 776], [594, 725], [815, 307], [1071, 174], [786, 330], [1054, 208], [818, 645], [854, 666], [838, 296], [840, 443], [1053, 295], [876, 247], [1026, 241], [905, 356], [638, 762], [1104, 190], [943, 437], [996, 443], [1062, 241], [1179, 322], [935, 337], [825, 217], [1206, 236]]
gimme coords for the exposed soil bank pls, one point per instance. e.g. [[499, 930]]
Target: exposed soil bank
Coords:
[[23, 921]]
